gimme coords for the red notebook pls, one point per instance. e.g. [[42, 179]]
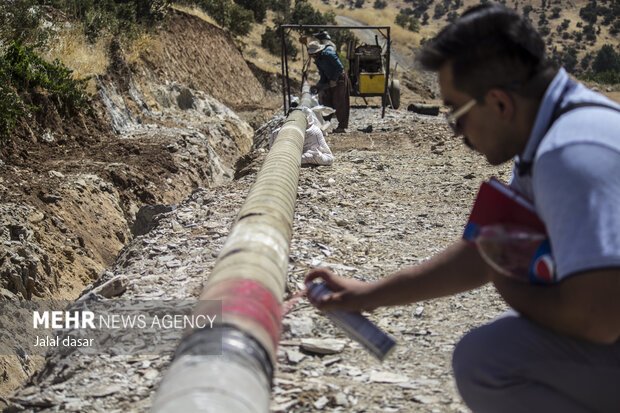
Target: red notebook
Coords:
[[497, 203]]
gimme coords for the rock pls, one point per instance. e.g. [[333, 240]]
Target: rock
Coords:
[[294, 356], [49, 197], [425, 399], [148, 217], [341, 400], [36, 217], [321, 403], [151, 374], [330, 361], [185, 99], [387, 377], [418, 311], [298, 326], [106, 390], [113, 288], [323, 345], [55, 174]]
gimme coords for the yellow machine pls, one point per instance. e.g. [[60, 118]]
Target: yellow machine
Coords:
[[372, 83], [367, 73]]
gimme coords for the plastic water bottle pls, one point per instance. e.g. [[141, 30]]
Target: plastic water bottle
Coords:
[[517, 252]]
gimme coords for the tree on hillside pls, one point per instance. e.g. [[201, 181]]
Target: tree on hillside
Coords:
[[420, 7], [589, 13], [283, 7], [440, 10], [241, 20], [380, 4], [607, 60], [589, 32], [304, 13], [258, 7], [407, 22], [586, 60], [425, 18]]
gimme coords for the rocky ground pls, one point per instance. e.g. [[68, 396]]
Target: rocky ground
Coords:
[[393, 197], [166, 132]]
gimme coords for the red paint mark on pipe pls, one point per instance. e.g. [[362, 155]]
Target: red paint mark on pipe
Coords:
[[251, 300]]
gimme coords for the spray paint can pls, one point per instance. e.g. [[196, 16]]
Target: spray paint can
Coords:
[[355, 325]]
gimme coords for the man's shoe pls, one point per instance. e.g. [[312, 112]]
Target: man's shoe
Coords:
[[339, 130]]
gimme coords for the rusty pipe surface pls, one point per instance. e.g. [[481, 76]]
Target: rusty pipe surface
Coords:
[[249, 280]]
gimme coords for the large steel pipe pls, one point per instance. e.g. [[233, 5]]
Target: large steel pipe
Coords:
[[249, 279]]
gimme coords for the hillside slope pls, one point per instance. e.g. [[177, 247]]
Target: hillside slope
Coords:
[[71, 188]]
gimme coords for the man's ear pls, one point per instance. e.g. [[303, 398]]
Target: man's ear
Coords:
[[502, 102]]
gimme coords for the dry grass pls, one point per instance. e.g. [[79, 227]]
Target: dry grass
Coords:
[[195, 11], [255, 53], [374, 17], [71, 46], [139, 46]]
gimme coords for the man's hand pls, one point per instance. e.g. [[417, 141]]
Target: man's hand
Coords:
[[348, 294], [314, 90]]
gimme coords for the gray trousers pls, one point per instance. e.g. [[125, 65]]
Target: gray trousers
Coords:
[[513, 365]]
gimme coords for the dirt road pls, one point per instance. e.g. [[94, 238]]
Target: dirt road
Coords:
[[368, 36]]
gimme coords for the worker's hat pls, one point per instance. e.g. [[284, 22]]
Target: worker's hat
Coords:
[[315, 47], [322, 35]]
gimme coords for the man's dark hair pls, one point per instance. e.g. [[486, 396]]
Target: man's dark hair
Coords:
[[490, 46]]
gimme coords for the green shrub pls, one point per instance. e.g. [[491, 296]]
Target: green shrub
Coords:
[[407, 22], [589, 13], [380, 4], [11, 106], [272, 41], [237, 19], [241, 20], [20, 19], [608, 78], [22, 71], [118, 17], [607, 60], [258, 7], [605, 67], [29, 71], [283, 7], [440, 10]]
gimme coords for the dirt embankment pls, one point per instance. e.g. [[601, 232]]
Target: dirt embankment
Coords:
[[160, 127]]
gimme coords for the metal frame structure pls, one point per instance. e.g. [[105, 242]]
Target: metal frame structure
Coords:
[[286, 86]]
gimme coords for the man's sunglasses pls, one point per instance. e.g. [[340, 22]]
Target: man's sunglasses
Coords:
[[454, 116]]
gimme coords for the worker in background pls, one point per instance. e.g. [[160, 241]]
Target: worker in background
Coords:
[[333, 85]]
